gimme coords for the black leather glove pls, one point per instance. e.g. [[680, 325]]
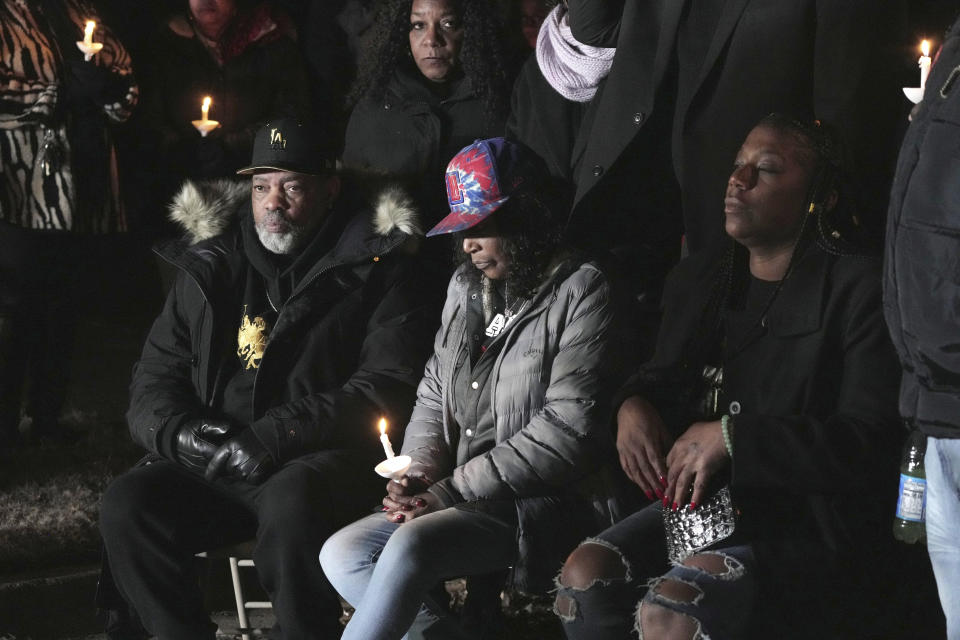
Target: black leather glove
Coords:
[[198, 440], [243, 457]]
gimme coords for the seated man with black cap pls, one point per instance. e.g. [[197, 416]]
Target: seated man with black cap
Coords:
[[298, 319]]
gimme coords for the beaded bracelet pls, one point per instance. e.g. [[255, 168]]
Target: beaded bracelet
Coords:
[[726, 426]]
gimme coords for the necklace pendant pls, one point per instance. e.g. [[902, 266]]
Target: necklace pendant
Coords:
[[496, 326]]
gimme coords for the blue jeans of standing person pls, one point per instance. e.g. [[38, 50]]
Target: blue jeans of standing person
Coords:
[[385, 570], [715, 589], [942, 463]]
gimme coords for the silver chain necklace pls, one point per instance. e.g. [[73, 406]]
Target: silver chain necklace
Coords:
[[497, 322]]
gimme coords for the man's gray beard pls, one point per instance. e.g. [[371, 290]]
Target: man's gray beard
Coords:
[[281, 243]]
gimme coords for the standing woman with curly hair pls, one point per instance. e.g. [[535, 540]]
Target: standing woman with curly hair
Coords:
[[433, 80]]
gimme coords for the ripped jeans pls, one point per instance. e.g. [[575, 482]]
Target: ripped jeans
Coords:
[[715, 589]]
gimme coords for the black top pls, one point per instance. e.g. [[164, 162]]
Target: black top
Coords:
[[471, 381]]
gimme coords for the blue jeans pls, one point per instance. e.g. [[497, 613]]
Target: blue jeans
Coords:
[[610, 608], [942, 463], [385, 570]]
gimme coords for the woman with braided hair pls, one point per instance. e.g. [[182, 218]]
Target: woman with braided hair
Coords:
[[433, 80], [764, 430]]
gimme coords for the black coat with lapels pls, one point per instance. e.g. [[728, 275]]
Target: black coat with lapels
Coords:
[[816, 433]]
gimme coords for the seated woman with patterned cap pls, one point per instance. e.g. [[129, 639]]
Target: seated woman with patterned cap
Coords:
[[510, 432], [764, 430]]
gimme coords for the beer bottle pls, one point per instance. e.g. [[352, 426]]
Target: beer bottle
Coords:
[[909, 525]]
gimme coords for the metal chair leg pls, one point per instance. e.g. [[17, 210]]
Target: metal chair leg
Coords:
[[238, 594]]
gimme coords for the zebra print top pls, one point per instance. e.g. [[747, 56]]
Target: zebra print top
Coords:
[[38, 171]]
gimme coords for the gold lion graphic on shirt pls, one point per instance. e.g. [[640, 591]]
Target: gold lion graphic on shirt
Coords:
[[252, 340]]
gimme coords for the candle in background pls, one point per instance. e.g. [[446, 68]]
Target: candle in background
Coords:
[[384, 440], [87, 45], [924, 63], [205, 109]]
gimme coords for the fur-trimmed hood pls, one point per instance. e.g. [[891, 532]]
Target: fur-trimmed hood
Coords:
[[206, 209]]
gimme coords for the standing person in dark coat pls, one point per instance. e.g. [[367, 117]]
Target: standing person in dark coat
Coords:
[[433, 81], [772, 389], [702, 73], [630, 224], [921, 300], [295, 323]]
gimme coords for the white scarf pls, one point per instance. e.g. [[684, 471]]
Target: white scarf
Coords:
[[572, 68]]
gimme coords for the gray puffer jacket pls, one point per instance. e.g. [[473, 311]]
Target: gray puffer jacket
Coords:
[[551, 386]]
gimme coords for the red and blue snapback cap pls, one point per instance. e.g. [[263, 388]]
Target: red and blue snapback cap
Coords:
[[482, 177]]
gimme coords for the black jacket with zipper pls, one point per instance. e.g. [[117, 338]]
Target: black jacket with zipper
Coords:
[[348, 344]]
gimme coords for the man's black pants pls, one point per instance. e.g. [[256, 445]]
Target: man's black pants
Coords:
[[155, 518]]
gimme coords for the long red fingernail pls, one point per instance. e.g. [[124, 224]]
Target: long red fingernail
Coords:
[[665, 501], [649, 494], [384, 508], [420, 502], [662, 480], [674, 508], [693, 505], [659, 493], [398, 517]]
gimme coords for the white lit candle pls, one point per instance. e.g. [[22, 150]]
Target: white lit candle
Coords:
[[384, 440], [87, 45], [205, 109], [924, 63]]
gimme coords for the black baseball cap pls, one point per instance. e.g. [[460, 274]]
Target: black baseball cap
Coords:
[[286, 144]]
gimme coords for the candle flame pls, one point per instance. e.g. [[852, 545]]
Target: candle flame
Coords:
[[206, 102], [925, 47], [91, 25], [382, 425]]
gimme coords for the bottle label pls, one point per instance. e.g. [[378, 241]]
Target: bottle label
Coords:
[[913, 498]]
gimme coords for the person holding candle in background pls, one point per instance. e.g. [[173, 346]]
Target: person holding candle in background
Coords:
[[510, 431], [298, 318], [59, 185], [240, 54]]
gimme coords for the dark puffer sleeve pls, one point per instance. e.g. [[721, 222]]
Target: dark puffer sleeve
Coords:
[[162, 394]]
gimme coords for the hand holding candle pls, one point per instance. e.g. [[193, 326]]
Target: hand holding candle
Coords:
[[205, 125], [394, 466], [915, 94], [87, 45]]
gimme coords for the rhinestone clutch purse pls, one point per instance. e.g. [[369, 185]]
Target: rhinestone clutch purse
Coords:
[[690, 531]]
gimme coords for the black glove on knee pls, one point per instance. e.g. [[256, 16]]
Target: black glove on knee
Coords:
[[198, 440], [244, 457]]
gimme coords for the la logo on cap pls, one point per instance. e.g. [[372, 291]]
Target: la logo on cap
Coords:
[[277, 141]]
